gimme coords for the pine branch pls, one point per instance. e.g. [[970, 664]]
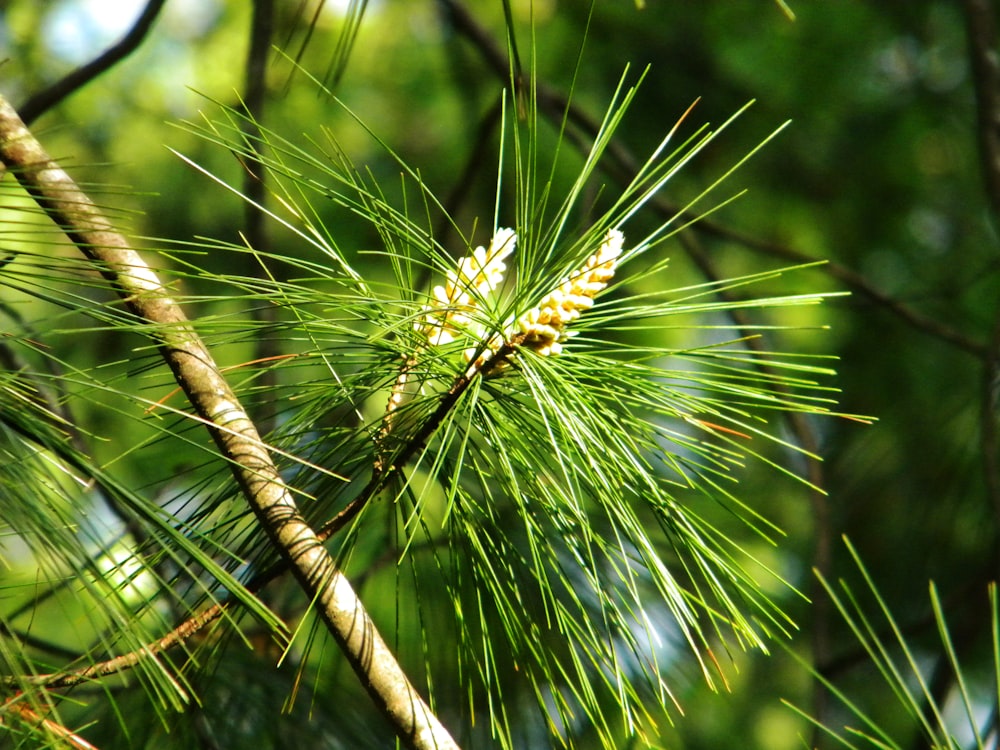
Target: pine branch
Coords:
[[233, 432], [125, 662]]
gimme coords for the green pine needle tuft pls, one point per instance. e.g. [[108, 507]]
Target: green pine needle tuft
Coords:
[[564, 509]]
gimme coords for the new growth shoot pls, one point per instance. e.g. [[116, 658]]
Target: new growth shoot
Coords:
[[451, 313], [542, 329], [451, 309]]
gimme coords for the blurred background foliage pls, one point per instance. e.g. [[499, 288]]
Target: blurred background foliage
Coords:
[[878, 173]]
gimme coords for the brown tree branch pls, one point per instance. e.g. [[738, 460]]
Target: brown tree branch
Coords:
[[80, 77], [125, 662], [857, 283], [981, 30], [989, 409], [188, 628], [20, 711], [255, 187], [232, 430]]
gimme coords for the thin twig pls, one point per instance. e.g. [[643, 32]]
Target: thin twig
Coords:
[[622, 166], [193, 625], [182, 632], [981, 30], [54, 731], [46, 99], [857, 283], [462, 189], [232, 430], [125, 661], [989, 440], [384, 470], [255, 188]]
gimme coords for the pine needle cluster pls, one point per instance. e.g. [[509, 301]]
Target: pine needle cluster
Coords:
[[542, 529], [553, 505]]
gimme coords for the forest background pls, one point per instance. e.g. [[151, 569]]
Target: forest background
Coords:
[[889, 171]]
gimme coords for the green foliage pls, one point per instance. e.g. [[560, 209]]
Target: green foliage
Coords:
[[595, 549], [553, 501], [948, 712]]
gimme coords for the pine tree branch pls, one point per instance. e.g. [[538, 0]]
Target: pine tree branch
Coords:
[[124, 662], [232, 430], [623, 167]]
